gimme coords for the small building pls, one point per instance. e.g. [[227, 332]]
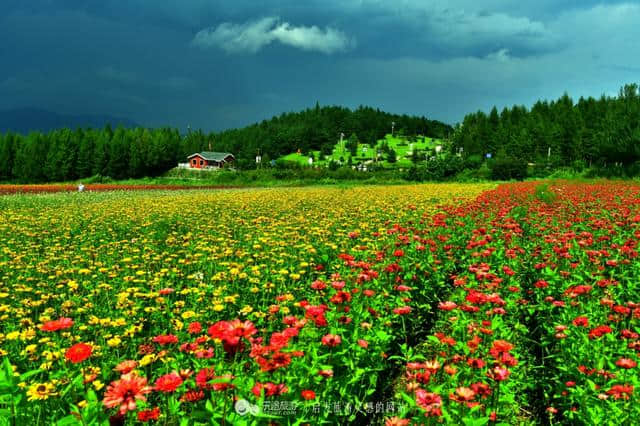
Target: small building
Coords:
[[210, 160]]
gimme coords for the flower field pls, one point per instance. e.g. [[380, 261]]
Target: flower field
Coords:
[[95, 187], [427, 304]]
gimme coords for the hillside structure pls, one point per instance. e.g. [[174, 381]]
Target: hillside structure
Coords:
[[210, 160]]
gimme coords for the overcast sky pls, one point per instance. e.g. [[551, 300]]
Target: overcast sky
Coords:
[[217, 64]]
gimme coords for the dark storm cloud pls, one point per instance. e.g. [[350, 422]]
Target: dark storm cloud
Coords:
[[217, 64]]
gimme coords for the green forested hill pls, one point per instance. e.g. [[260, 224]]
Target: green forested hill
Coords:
[[67, 154]]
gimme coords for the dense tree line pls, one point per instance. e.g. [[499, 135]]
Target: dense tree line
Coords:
[[589, 133], [66, 154], [319, 128]]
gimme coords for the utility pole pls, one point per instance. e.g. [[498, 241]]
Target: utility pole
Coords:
[[393, 125]]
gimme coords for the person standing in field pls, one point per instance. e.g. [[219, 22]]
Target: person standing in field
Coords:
[[80, 187]]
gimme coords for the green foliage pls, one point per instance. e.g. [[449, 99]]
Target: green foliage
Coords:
[[506, 168], [545, 194], [437, 169], [391, 156], [352, 144], [597, 133]]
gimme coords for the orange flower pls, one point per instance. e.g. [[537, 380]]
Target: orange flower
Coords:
[[308, 394], [126, 366], [125, 392]]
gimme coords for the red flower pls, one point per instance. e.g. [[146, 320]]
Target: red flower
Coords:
[[231, 332], [331, 340], [363, 343], [318, 285], [203, 377], [59, 324], [125, 392], [430, 402], [403, 310], [325, 373], [500, 346], [447, 306], [194, 328], [168, 383], [620, 391], [192, 396], [165, 339], [626, 363], [78, 352], [308, 394], [148, 415], [475, 363], [599, 331], [581, 322], [270, 389], [499, 374], [541, 284]]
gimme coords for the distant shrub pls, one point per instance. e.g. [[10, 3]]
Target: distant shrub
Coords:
[[507, 168], [473, 162], [97, 179], [287, 165]]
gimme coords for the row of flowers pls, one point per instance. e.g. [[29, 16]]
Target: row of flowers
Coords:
[[97, 187], [543, 318]]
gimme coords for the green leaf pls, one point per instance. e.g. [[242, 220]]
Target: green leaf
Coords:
[[468, 421], [28, 374], [69, 420], [76, 382]]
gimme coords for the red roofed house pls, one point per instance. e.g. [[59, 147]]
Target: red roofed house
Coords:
[[210, 160]]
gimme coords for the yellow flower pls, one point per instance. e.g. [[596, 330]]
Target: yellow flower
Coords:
[[51, 356], [177, 324], [12, 335], [41, 391], [30, 349], [120, 322], [97, 385], [147, 359], [28, 334], [188, 314], [46, 366], [114, 341], [218, 307]]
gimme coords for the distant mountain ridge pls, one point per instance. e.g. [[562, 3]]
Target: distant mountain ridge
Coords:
[[24, 120]]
